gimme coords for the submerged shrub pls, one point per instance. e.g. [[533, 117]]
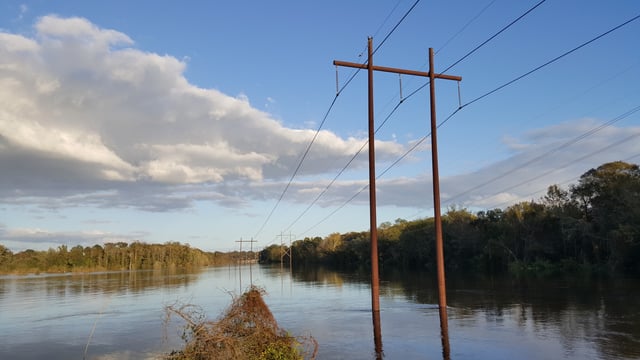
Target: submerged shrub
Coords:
[[247, 330]]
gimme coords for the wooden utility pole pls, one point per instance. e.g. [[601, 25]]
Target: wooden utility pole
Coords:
[[442, 298], [284, 252], [246, 241], [250, 262]]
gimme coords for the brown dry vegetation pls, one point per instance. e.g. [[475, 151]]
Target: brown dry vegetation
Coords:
[[246, 330]]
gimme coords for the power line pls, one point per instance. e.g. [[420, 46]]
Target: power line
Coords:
[[477, 48], [551, 151], [537, 68], [396, 26], [551, 61], [401, 100], [460, 31], [465, 26], [480, 97], [562, 146], [555, 169], [304, 155], [344, 168], [632, 136], [495, 35], [324, 119], [367, 186]]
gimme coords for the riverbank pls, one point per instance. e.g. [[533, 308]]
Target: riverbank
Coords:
[[112, 257]]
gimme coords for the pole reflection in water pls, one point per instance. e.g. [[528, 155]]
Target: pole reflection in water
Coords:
[[444, 334], [377, 335]]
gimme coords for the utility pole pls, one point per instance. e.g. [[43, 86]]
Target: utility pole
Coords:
[[442, 299], [244, 258], [246, 241], [284, 252]]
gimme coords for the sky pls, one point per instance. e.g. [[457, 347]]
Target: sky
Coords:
[[210, 122]]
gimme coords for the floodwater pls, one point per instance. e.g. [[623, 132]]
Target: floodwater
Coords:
[[120, 315]]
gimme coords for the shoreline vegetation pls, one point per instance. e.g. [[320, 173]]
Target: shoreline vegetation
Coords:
[[118, 256], [591, 227]]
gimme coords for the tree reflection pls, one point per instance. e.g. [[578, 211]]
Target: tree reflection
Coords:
[[604, 312], [101, 283]]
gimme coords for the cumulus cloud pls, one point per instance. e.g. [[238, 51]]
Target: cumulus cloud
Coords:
[[87, 119], [83, 112]]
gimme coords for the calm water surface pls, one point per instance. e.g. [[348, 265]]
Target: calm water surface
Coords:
[[120, 315]]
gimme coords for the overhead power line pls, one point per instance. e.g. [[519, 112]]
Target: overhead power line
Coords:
[[551, 151], [546, 154], [552, 60], [403, 99], [306, 152], [503, 29], [367, 186], [498, 88], [295, 172], [395, 27], [609, 146], [494, 35], [465, 26], [539, 68]]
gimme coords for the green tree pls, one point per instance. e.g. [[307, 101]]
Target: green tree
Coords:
[[609, 198], [417, 244], [6, 258]]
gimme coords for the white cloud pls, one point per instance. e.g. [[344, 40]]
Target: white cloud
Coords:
[[82, 111], [120, 127]]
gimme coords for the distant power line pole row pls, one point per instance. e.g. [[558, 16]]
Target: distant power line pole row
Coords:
[[284, 251], [246, 241], [243, 258], [375, 280]]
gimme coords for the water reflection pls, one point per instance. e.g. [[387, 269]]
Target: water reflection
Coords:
[[97, 283], [488, 318], [444, 336], [602, 312], [377, 335]]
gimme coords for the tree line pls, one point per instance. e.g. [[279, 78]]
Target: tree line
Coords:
[[594, 225], [111, 256]]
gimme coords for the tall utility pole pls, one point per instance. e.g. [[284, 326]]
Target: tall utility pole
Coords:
[[375, 295]]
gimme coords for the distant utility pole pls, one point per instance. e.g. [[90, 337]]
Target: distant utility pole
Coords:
[[375, 290], [250, 262], [246, 241], [285, 251]]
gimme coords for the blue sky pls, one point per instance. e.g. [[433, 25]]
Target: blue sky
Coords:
[[184, 121]]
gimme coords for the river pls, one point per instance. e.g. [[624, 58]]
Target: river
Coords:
[[120, 315]]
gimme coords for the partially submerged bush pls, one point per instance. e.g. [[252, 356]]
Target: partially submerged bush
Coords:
[[247, 330]]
